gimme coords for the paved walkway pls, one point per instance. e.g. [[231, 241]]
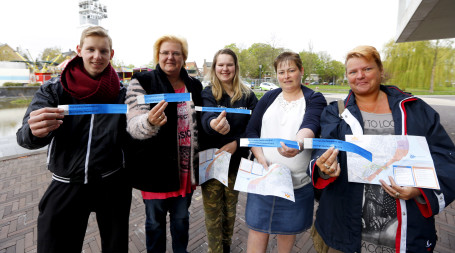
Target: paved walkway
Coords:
[[23, 180]]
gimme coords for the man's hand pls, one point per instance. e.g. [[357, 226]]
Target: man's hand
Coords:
[[45, 120]]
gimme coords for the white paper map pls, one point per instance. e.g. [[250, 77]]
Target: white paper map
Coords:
[[405, 158], [253, 178], [214, 166]]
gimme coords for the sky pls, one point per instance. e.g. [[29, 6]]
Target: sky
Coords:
[[330, 26]]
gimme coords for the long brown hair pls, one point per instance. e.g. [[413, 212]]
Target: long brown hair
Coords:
[[238, 87]]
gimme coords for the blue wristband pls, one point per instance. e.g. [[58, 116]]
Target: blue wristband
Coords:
[[267, 142], [314, 143], [220, 109], [168, 97], [83, 109]]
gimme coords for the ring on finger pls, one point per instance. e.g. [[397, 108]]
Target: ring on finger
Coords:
[[326, 166], [397, 194]]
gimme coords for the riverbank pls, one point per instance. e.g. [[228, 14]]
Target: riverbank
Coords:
[[23, 91]]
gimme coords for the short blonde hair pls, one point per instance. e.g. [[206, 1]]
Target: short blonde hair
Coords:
[[182, 41], [95, 31], [367, 52]]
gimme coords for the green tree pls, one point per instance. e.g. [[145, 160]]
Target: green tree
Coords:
[[322, 65], [309, 62], [335, 70], [52, 54], [264, 55], [247, 63], [422, 64], [234, 48], [257, 61]]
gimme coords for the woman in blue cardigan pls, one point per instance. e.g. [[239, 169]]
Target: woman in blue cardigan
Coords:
[[291, 112]]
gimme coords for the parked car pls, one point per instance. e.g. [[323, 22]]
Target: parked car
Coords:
[[268, 86], [249, 85], [314, 83], [331, 83]]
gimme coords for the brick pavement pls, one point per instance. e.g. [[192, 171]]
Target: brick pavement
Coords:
[[23, 181]]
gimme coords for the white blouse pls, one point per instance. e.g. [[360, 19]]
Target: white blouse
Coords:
[[282, 120]]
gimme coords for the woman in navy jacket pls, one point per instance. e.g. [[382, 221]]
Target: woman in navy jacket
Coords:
[[355, 217]]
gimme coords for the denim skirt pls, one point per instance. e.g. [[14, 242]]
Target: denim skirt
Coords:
[[275, 215]]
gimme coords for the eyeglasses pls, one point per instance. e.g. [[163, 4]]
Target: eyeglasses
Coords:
[[174, 54]]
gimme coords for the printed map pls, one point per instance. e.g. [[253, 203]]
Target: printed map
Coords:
[[214, 166], [405, 158], [253, 178]]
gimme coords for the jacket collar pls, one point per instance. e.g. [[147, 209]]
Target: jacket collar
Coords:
[[394, 95], [183, 75]]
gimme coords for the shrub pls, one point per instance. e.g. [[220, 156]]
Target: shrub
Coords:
[[33, 84], [21, 101], [12, 84], [259, 95]]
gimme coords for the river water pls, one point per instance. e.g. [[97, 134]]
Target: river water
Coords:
[[10, 117]]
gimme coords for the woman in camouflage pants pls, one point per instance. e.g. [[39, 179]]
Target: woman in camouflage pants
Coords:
[[226, 90]]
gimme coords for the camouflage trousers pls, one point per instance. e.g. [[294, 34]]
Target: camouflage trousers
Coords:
[[220, 204]]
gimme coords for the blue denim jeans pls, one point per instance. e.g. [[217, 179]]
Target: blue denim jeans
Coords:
[[155, 224]]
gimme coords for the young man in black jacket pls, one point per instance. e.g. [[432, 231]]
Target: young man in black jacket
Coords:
[[85, 152]]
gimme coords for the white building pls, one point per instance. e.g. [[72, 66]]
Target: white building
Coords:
[[16, 72]]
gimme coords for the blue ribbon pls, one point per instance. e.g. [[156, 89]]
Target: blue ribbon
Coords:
[[267, 142], [168, 97], [338, 144], [82, 109], [220, 109]]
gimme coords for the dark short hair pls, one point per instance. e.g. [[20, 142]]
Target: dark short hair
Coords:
[[288, 56]]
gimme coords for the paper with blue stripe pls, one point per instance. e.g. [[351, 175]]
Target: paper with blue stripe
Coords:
[[220, 109], [82, 109], [168, 97], [267, 142], [313, 143]]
